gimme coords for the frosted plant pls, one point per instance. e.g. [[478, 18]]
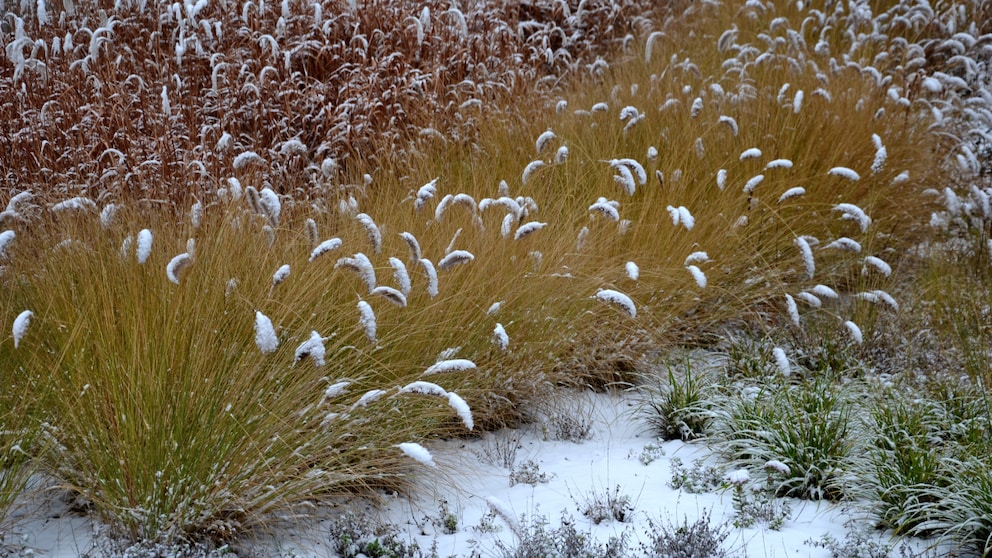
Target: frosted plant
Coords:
[[753, 183], [196, 214], [685, 218], [366, 319], [625, 179], [270, 235], [166, 106], [792, 309], [738, 477], [325, 247], [176, 266], [698, 275], [313, 348], [878, 264], [500, 338], [634, 167], [673, 212], [810, 298], [580, 240], [527, 229], [824, 291], [543, 140], [652, 153], [600, 107], [424, 388], [854, 330], [730, 123], [851, 212], [390, 294], [618, 299], [779, 164], [450, 365], [311, 228], [494, 308], [6, 237], [360, 264], [335, 389], [461, 407], [844, 172], [696, 108], [455, 258], [413, 244], [20, 328], [561, 155], [107, 215], [797, 102], [431, 274], [400, 275], [901, 177], [782, 362], [792, 193], [144, 248], [721, 179], [881, 154], [700, 149], [696, 257], [844, 243], [280, 275], [530, 169], [807, 254], [465, 200], [752, 153], [370, 396], [77, 203], [506, 202], [246, 158], [877, 296], [417, 452], [629, 112], [372, 230], [424, 194], [606, 208], [633, 272], [265, 334]]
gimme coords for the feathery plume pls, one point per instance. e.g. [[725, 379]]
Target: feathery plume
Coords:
[[107, 215], [782, 362], [721, 179], [792, 193], [390, 294], [265, 334], [530, 169], [792, 309], [79, 202], [461, 407], [20, 328], [500, 338], [752, 153], [455, 258], [878, 264], [607, 208], [375, 237], [325, 247], [844, 172], [633, 272], [698, 275], [431, 274], [779, 164], [851, 212], [144, 248], [824, 291], [618, 299], [810, 298], [855, 331], [543, 140], [176, 266], [312, 237], [411, 242], [528, 228], [881, 154], [6, 237], [271, 206], [366, 319], [696, 257], [400, 275], [424, 388], [424, 194], [450, 365], [753, 183], [417, 452], [730, 123], [280, 275], [313, 348], [360, 264], [844, 243], [807, 254]]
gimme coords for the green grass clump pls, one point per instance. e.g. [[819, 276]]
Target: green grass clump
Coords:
[[680, 409]]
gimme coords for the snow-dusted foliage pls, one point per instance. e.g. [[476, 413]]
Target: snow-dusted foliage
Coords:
[[618, 299]]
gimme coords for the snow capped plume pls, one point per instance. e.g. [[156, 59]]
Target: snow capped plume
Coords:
[[855, 331], [271, 205], [878, 264], [369, 397], [6, 237], [652, 153], [797, 102], [144, 248], [618, 299], [424, 194], [195, 214], [851, 212], [792, 309], [78, 202], [313, 348], [21, 323], [450, 365], [844, 172], [494, 308], [629, 112], [561, 155], [500, 338], [792, 193], [696, 257], [360, 264], [807, 254], [730, 123], [580, 240], [411, 242], [424, 388], [325, 247], [417, 452], [881, 154], [696, 108], [461, 407], [366, 319], [335, 389], [753, 183], [166, 106], [877, 296], [607, 208], [543, 140], [698, 275], [738, 477], [673, 212], [265, 334], [176, 266], [431, 275], [721, 179], [400, 275], [107, 215], [455, 258], [530, 169], [824, 291], [527, 229], [844, 243], [390, 294], [375, 237], [779, 164], [633, 272], [634, 167], [752, 153], [625, 179], [280, 275], [810, 298], [686, 218]]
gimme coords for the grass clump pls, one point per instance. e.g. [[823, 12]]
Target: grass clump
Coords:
[[681, 408]]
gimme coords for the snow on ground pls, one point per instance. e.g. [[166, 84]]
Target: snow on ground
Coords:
[[555, 479]]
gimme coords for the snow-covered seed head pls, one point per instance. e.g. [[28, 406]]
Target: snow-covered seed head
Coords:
[[431, 274], [782, 362], [698, 275], [855, 332], [455, 258], [730, 123], [792, 193], [752, 153], [271, 206], [313, 348], [6, 237], [606, 208], [844, 172], [270, 235], [851, 212], [312, 237], [325, 247], [360, 264], [527, 229], [543, 140], [265, 334], [846, 244], [400, 275], [807, 255], [530, 169], [20, 328], [461, 407], [500, 338], [176, 266], [366, 319], [450, 365], [414, 245], [792, 309], [196, 215], [392, 295], [280, 275], [633, 272], [144, 248], [881, 154], [618, 299], [878, 265], [417, 452], [561, 155], [753, 183], [372, 230]]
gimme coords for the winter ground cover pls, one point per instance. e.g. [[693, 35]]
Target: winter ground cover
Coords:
[[265, 264]]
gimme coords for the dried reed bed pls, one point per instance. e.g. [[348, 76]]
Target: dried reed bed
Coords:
[[164, 100]]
